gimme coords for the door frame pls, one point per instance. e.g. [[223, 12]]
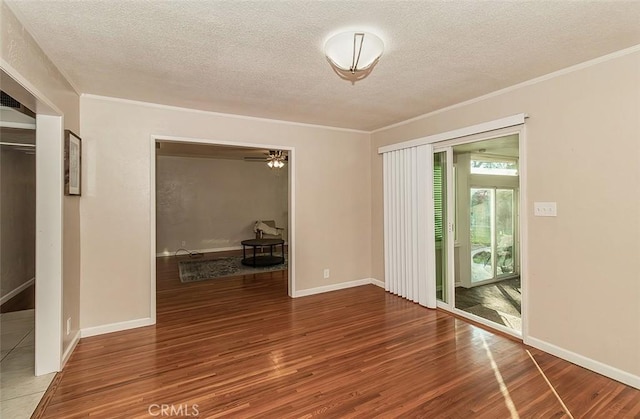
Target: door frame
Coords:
[[49, 219], [447, 146], [208, 141]]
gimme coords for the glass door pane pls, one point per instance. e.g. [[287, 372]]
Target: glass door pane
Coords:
[[482, 234], [486, 253], [504, 231], [440, 206]]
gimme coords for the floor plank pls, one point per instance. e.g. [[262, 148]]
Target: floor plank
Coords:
[[240, 347]]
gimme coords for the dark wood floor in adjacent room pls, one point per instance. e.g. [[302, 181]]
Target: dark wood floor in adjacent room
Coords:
[[240, 347]]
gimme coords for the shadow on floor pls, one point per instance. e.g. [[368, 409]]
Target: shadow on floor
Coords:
[[499, 302]]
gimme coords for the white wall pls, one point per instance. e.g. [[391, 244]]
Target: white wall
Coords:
[[213, 203], [333, 199], [582, 151]]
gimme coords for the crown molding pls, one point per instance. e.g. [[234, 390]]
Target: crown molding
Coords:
[[219, 114]]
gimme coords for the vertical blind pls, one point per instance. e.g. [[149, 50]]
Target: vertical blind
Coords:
[[409, 238]]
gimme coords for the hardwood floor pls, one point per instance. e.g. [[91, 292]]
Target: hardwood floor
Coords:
[[239, 347]]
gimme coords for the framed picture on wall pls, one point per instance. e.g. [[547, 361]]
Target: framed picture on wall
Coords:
[[72, 168]]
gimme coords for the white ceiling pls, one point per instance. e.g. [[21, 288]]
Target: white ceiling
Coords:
[[506, 146], [264, 58]]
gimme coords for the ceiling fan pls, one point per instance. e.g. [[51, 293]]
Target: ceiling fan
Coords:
[[275, 159]]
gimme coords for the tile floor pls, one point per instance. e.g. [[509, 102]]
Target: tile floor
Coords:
[[20, 389], [499, 302]]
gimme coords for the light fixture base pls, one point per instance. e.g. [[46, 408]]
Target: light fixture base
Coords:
[[353, 55]]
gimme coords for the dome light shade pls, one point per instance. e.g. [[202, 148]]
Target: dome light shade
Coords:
[[353, 54]]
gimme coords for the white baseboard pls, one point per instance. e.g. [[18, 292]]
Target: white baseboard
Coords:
[[335, 287], [217, 249], [67, 353], [132, 324], [588, 363], [115, 327], [377, 282], [16, 291]]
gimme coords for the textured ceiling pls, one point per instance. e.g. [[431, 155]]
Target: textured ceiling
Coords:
[[264, 58]]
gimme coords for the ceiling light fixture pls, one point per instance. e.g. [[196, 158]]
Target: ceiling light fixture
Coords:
[[276, 159], [353, 55]]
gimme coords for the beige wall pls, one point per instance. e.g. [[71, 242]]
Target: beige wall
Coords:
[[17, 218], [583, 151], [332, 187], [213, 203], [19, 50]]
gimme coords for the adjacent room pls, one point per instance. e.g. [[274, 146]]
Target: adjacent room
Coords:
[[221, 212], [487, 235], [476, 189]]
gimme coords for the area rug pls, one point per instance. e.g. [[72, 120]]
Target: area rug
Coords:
[[201, 270]]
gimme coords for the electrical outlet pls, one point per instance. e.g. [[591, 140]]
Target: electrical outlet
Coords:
[[68, 326], [326, 273], [184, 243]]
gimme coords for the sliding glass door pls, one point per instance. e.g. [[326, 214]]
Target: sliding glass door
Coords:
[[481, 234], [505, 232], [440, 206], [476, 203], [492, 222], [444, 214]]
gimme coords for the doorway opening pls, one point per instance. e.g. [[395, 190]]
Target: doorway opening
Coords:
[[18, 245], [477, 219], [223, 212], [31, 225]]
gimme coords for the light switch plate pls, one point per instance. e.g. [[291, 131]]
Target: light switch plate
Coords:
[[545, 209]]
